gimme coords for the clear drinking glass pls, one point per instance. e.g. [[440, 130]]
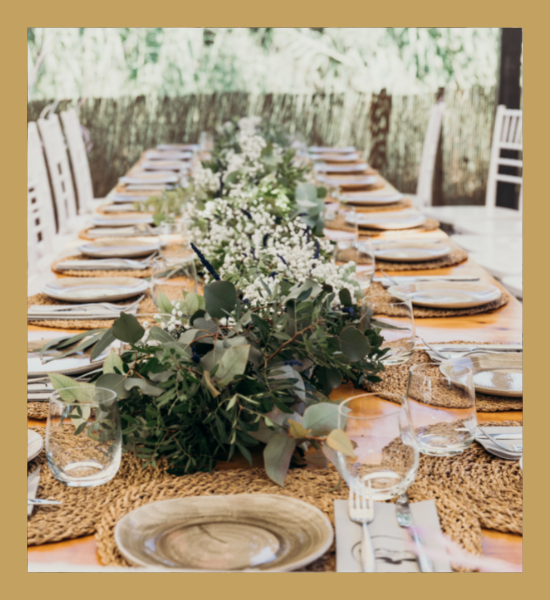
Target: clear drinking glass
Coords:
[[442, 408], [174, 275], [342, 224], [172, 241], [398, 334], [366, 264], [386, 457], [83, 436]]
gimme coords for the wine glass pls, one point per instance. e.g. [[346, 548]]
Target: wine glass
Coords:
[[385, 457], [366, 263], [341, 225], [442, 407]]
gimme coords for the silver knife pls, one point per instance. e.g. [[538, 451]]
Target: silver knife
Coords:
[[42, 502], [404, 518]]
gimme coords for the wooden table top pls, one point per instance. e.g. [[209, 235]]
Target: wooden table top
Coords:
[[503, 325]]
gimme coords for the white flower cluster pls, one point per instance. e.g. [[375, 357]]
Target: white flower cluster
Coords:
[[255, 247], [205, 179]]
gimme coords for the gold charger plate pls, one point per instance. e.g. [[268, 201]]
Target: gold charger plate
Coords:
[[244, 532], [447, 294], [497, 374]]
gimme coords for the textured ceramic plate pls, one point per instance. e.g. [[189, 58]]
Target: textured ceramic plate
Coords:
[[353, 168], [147, 187], [119, 207], [411, 251], [329, 150], [119, 248], [388, 222], [333, 157], [122, 221], [35, 443], [70, 365], [96, 289], [447, 294], [368, 198], [150, 177], [260, 532], [168, 165], [349, 181], [497, 374], [177, 147]]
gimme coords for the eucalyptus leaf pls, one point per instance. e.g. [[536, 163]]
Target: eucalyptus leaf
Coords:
[[339, 441], [220, 298], [114, 382], [354, 344], [127, 329], [145, 386], [103, 343], [164, 304], [232, 363], [277, 455], [70, 390], [113, 360], [321, 418], [160, 335]]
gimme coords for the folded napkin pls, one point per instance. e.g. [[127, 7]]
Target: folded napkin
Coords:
[[73, 311], [110, 264], [32, 488], [457, 350], [495, 448], [389, 539]]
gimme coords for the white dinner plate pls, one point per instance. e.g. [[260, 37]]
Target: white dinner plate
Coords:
[[119, 248], [122, 221], [348, 181], [375, 197], [411, 251], [447, 294], [76, 364], [387, 221], [498, 374], [94, 289], [353, 168], [122, 198], [138, 177], [328, 157], [165, 165], [35, 443], [177, 147], [243, 532], [152, 188], [168, 155], [330, 150]]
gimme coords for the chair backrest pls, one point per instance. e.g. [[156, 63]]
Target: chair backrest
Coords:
[[40, 215], [507, 135], [429, 153], [79, 160], [60, 173]]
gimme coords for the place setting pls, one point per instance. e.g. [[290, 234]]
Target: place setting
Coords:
[[141, 177]]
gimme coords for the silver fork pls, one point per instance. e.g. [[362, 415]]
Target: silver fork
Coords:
[[361, 510], [32, 476], [514, 450]]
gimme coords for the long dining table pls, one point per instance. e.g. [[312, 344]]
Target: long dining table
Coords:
[[503, 325]]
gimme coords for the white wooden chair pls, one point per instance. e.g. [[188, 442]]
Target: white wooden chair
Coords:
[[40, 215], [424, 186], [79, 160], [507, 135], [60, 175]]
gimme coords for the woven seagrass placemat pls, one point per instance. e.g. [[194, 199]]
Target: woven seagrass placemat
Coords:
[[395, 378], [340, 225], [98, 273], [83, 235], [472, 490], [378, 294]]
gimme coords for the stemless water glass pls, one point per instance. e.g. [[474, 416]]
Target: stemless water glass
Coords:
[[173, 276], [83, 436], [442, 408], [172, 241], [341, 222], [386, 457], [365, 263], [398, 332]]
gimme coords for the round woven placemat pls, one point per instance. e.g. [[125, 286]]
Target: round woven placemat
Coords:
[[146, 306], [379, 294], [97, 273], [472, 490], [83, 235], [395, 378], [340, 224]]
